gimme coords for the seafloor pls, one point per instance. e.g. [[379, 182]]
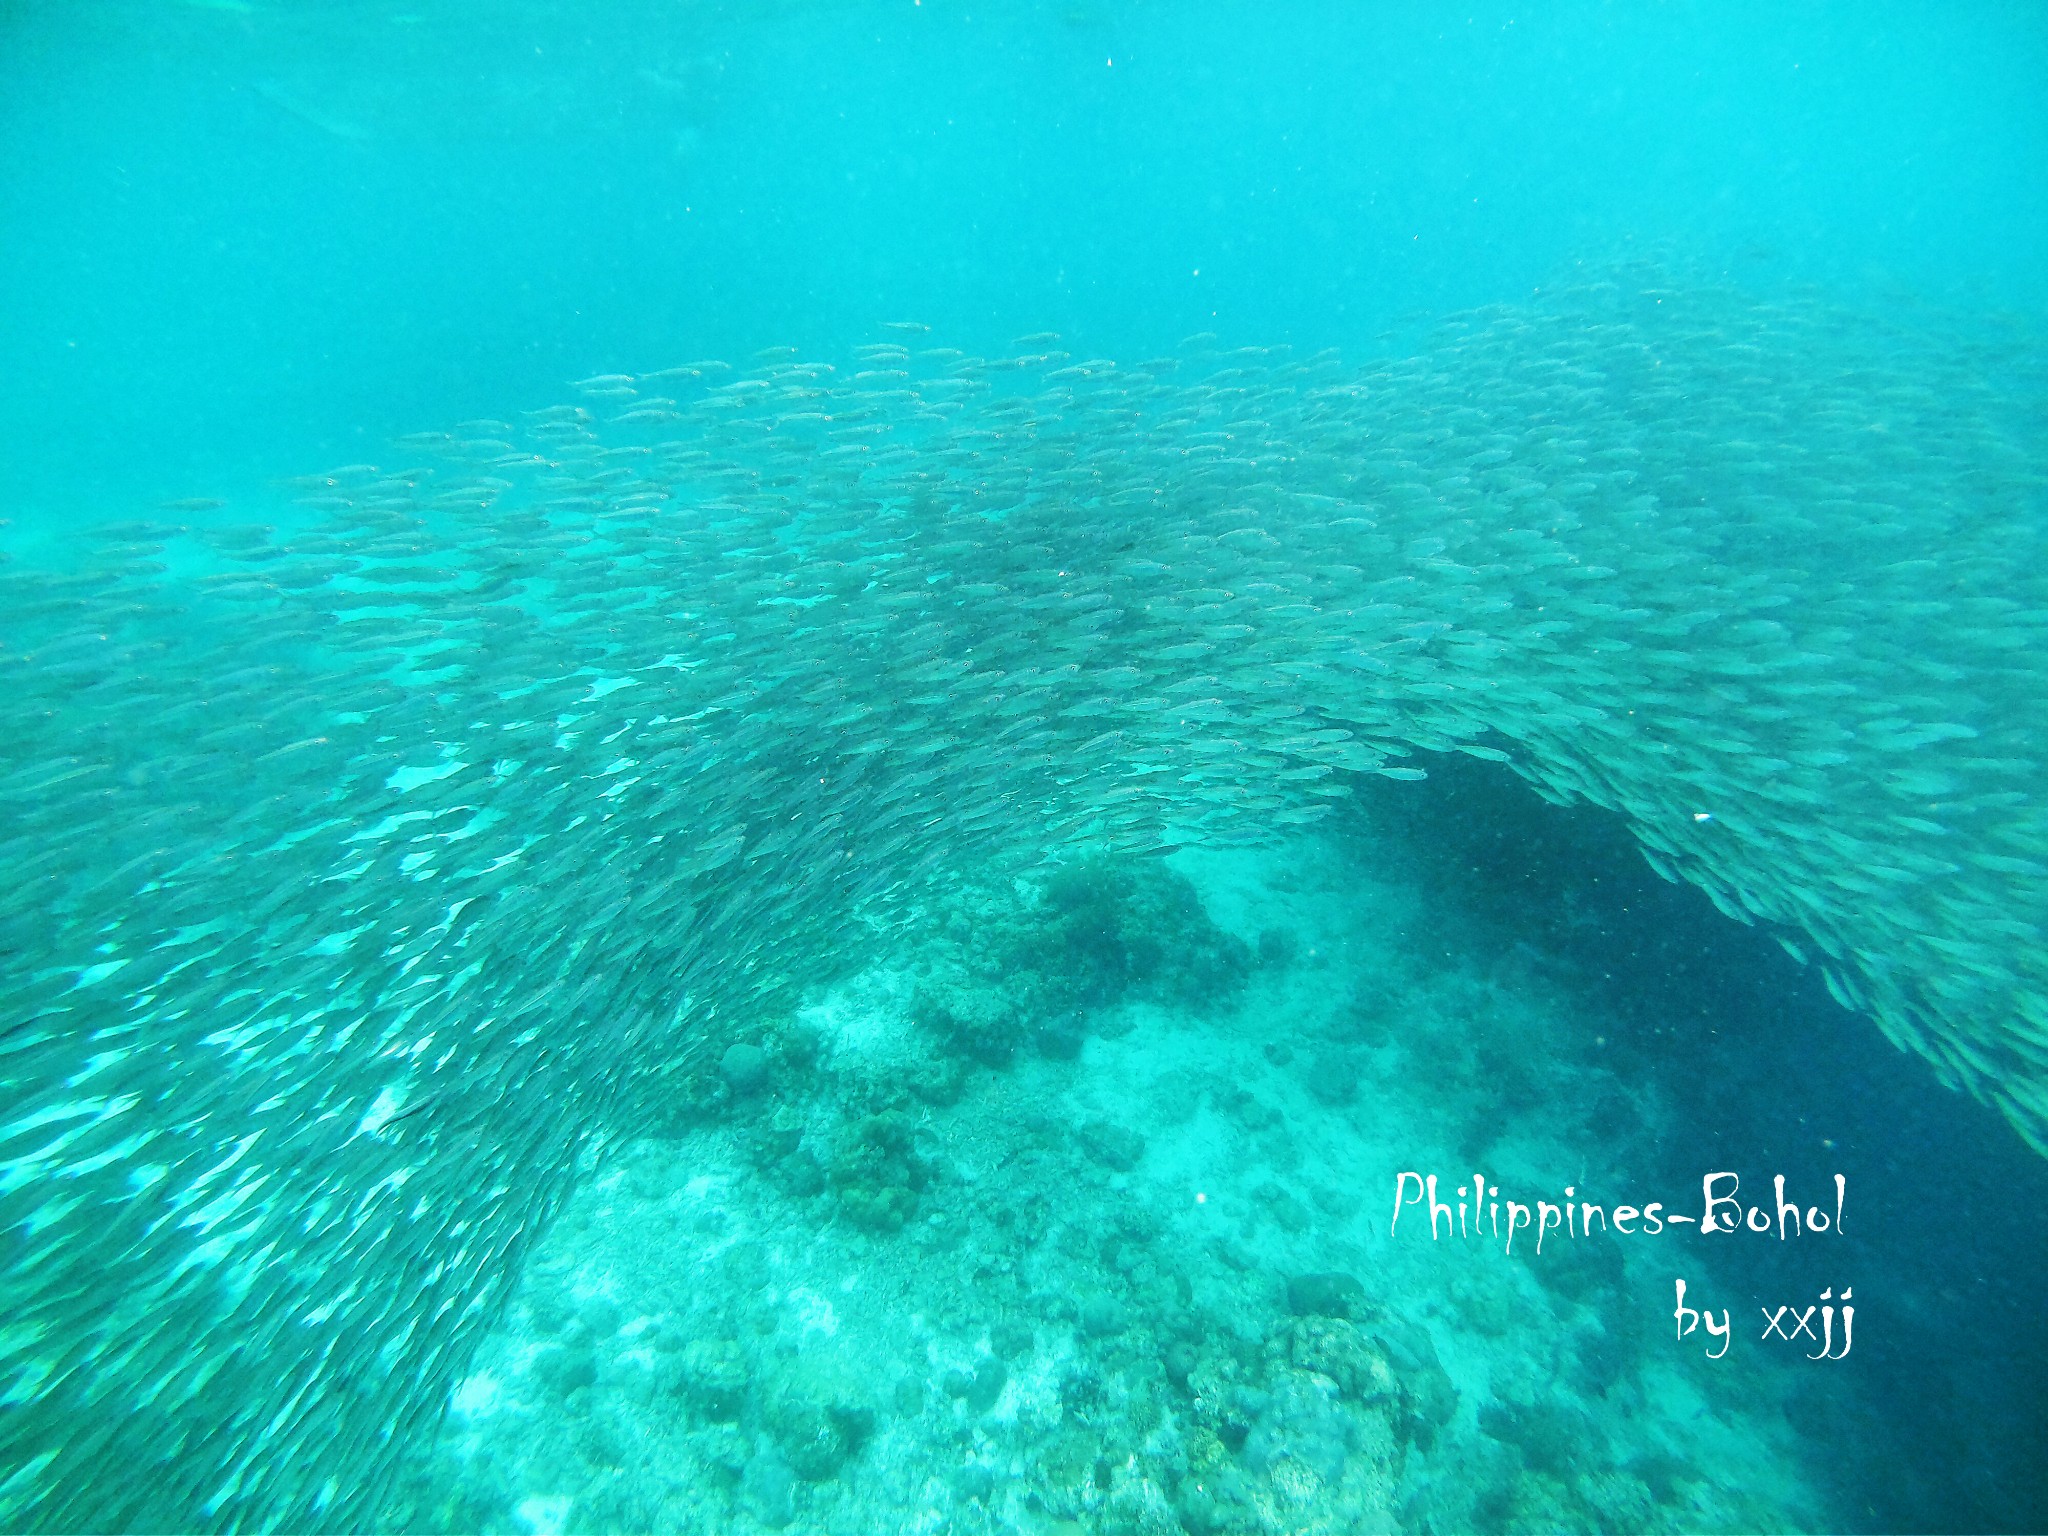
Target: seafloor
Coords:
[[1069, 1212]]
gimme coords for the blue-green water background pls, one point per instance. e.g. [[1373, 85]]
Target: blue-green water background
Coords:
[[244, 238], [241, 241]]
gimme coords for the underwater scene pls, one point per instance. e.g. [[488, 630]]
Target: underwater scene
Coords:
[[1105, 766]]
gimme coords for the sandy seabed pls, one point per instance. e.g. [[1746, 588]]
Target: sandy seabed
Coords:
[[1132, 1272]]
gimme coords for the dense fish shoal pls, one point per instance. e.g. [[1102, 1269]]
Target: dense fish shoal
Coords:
[[361, 877]]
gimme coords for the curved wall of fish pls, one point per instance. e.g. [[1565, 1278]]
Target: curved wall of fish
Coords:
[[354, 875]]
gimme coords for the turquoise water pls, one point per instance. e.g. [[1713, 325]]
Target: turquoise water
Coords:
[[764, 765]]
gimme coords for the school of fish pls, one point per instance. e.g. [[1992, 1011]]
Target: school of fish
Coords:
[[359, 876]]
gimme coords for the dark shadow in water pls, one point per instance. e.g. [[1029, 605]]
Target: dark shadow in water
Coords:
[[1938, 1420]]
